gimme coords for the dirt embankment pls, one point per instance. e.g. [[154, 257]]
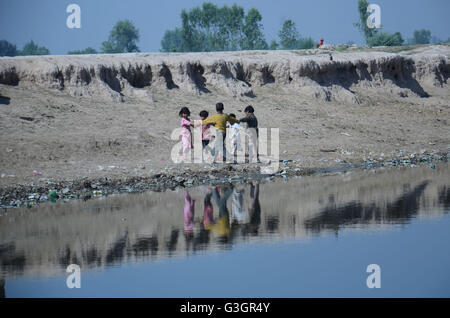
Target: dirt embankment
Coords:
[[95, 116], [328, 76]]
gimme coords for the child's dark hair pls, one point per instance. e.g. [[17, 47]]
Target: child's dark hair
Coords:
[[184, 110], [219, 107], [249, 109], [204, 113], [232, 115]]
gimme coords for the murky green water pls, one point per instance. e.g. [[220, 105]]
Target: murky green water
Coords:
[[307, 237]]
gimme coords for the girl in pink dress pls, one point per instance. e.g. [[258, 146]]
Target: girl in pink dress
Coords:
[[189, 207], [185, 134]]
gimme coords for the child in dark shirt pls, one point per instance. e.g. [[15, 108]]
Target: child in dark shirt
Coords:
[[252, 131]]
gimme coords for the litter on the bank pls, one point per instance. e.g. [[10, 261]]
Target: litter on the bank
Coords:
[[53, 194]]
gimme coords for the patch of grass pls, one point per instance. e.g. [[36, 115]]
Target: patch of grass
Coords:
[[303, 52], [397, 49], [341, 48]]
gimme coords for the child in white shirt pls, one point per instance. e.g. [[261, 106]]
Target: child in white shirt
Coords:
[[235, 136]]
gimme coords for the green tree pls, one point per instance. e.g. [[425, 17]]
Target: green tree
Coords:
[[375, 37], [362, 24], [421, 36], [188, 35], [87, 50], [196, 30], [274, 45], [289, 36], [253, 38], [122, 38], [7, 49], [172, 41], [234, 18], [385, 39], [210, 28], [32, 48], [305, 43]]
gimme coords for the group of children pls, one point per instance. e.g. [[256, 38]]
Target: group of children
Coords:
[[221, 122]]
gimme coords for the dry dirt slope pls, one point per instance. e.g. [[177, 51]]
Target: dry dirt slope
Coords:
[[111, 115]]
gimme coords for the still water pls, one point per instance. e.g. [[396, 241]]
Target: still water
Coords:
[[304, 237]]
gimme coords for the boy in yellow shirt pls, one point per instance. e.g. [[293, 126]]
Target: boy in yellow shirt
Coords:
[[220, 120]]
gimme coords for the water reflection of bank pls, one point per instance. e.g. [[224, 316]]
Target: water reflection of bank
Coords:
[[119, 229], [400, 210]]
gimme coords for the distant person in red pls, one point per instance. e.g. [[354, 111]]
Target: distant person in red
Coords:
[[321, 42]]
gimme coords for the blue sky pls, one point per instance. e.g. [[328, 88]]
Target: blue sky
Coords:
[[44, 21]]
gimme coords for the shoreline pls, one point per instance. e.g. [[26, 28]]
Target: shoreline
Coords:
[[29, 195]]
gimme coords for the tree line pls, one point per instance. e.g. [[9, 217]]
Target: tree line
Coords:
[[209, 28], [377, 37], [31, 48], [122, 38]]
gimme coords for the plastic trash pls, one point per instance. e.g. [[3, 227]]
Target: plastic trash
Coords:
[[53, 194]]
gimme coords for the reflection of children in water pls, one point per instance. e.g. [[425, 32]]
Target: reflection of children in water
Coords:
[[208, 211], [222, 228], [189, 206], [254, 210], [239, 213], [248, 219]]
